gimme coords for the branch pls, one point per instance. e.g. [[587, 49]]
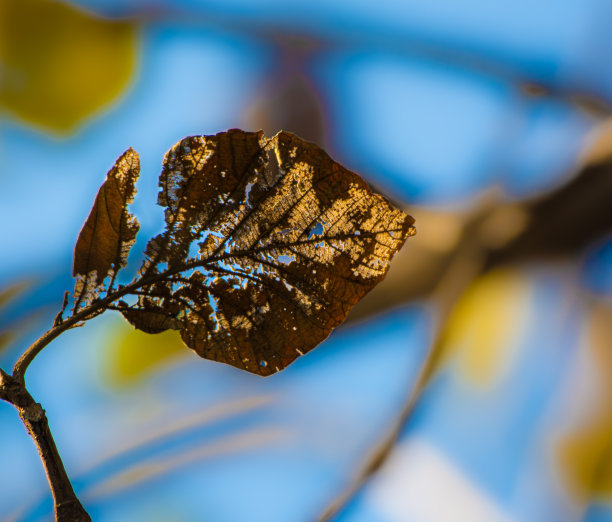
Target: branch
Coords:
[[86, 313], [96, 308], [542, 237], [12, 389], [66, 504]]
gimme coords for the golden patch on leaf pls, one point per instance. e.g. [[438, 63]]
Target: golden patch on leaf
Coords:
[[268, 244]]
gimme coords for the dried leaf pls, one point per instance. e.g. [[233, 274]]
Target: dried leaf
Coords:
[[109, 232], [268, 244]]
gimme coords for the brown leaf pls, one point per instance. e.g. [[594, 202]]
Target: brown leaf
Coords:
[[268, 244], [109, 232]]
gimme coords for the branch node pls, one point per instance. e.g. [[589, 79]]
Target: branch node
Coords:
[[59, 318], [33, 412]]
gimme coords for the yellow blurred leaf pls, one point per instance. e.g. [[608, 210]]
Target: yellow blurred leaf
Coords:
[[483, 327], [586, 453], [59, 64], [133, 355]]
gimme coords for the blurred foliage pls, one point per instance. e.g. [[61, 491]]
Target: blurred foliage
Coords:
[[159, 465], [483, 326], [586, 453], [290, 99], [60, 64], [8, 294], [11, 292], [133, 355]]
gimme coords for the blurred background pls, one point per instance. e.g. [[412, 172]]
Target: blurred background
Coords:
[[474, 384]]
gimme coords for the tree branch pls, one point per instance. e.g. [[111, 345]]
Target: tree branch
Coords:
[[12, 389], [96, 308], [67, 506]]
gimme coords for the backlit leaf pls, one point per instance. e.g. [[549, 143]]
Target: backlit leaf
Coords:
[[109, 232], [268, 245]]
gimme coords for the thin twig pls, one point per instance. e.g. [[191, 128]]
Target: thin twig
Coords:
[[12, 389], [84, 314], [59, 318], [100, 305]]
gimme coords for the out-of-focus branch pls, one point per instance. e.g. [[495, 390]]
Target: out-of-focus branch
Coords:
[[464, 264], [555, 226], [558, 225]]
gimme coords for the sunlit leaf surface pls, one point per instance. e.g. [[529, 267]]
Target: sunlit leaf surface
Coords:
[[268, 245]]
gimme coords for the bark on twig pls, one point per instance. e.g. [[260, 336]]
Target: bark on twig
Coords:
[[66, 504]]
